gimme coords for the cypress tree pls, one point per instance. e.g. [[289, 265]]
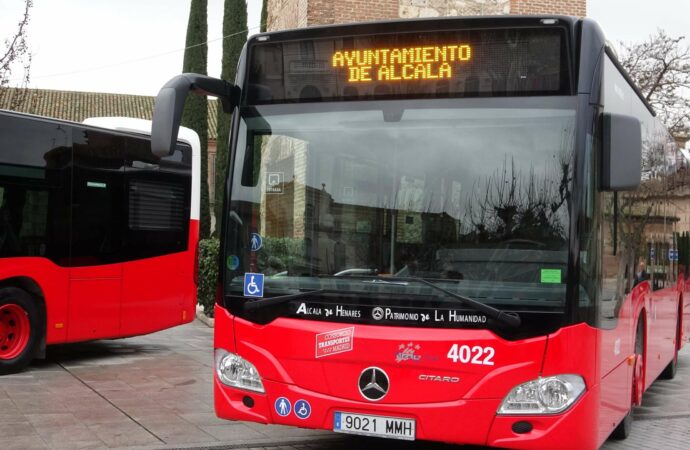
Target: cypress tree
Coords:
[[234, 37], [195, 115], [264, 16]]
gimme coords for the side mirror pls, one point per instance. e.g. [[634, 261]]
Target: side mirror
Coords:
[[167, 111], [621, 153]]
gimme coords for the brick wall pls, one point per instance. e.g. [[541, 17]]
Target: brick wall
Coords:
[[283, 14], [321, 12], [286, 14], [565, 7], [346, 11], [441, 8]]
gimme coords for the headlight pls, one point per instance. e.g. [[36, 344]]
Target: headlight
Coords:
[[235, 371], [550, 395]]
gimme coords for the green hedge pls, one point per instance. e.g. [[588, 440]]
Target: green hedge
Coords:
[[276, 256], [208, 273], [279, 253]]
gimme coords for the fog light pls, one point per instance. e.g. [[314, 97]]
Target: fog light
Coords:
[[248, 401], [550, 395], [522, 427], [233, 370]]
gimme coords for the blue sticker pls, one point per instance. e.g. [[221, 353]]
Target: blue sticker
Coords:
[[253, 284], [282, 406], [255, 242], [302, 409], [233, 262]]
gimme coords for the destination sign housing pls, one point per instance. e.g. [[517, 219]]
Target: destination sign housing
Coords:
[[428, 64]]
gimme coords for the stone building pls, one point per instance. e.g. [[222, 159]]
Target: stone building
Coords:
[[284, 14]]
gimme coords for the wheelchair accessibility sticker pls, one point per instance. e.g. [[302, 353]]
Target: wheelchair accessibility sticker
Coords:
[[253, 284], [302, 409]]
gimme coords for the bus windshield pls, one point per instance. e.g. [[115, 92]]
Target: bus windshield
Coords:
[[472, 195]]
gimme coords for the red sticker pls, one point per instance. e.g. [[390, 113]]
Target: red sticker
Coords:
[[332, 342]]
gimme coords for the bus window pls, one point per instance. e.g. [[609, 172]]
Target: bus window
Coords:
[[156, 200], [97, 206], [34, 179]]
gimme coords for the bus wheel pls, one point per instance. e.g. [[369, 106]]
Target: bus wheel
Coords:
[[622, 431], [669, 372], [638, 368], [20, 333], [624, 428]]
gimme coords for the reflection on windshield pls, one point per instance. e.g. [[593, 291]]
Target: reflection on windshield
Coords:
[[477, 195]]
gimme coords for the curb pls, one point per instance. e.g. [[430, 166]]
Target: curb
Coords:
[[206, 320]]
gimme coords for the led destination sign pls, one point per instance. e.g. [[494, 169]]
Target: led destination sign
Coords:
[[407, 63], [423, 64]]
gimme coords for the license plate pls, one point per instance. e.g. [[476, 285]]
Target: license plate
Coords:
[[368, 425]]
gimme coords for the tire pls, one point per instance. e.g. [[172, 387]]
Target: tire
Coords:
[[622, 431], [20, 329], [670, 370]]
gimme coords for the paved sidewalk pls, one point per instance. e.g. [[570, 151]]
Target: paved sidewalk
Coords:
[[154, 392], [150, 391]]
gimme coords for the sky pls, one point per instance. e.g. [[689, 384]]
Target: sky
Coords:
[[118, 46], [135, 46]]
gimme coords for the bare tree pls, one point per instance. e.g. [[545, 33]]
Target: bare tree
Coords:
[[510, 204], [660, 66], [15, 55]]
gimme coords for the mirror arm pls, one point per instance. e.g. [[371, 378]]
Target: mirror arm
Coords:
[[200, 84], [169, 105]]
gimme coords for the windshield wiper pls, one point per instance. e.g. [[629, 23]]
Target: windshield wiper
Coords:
[[511, 319], [258, 304]]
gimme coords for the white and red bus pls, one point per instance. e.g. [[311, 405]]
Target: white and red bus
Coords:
[[98, 236], [467, 230]]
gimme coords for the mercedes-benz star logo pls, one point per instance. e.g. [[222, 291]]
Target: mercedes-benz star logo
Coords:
[[373, 384], [377, 313]]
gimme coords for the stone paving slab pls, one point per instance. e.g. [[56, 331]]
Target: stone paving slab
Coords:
[[145, 392], [154, 392]]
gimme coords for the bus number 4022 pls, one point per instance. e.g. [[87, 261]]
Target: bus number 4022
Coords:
[[471, 355]]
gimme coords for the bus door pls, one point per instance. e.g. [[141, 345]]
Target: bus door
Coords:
[[96, 241]]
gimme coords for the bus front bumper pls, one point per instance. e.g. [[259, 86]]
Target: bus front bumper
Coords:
[[470, 421]]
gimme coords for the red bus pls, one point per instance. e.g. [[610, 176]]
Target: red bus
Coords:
[[98, 236], [469, 230]]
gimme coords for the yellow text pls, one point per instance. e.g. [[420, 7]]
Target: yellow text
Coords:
[[409, 63]]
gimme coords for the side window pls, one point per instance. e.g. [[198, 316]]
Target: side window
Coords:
[[589, 223], [612, 285], [157, 203], [638, 227], [620, 215], [35, 159], [97, 197]]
